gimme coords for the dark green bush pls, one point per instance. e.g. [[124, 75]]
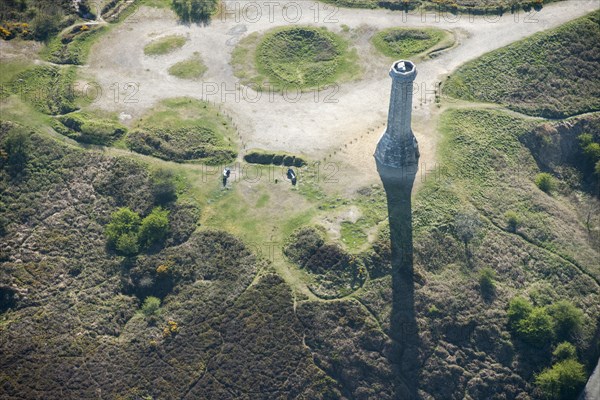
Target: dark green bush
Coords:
[[487, 283], [519, 308], [45, 25], [194, 10], [268, 158], [288, 161], [151, 306], [127, 244], [512, 220], [154, 227], [568, 319], [563, 381], [564, 351], [537, 328], [122, 222], [545, 182]]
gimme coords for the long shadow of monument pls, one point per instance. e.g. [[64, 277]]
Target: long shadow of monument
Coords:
[[397, 157], [403, 323]]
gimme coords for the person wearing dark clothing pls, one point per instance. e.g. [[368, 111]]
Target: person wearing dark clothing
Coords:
[[291, 176], [226, 173]]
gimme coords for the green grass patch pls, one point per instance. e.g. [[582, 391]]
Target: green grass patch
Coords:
[[294, 58], [406, 43], [192, 68], [486, 166], [372, 204], [164, 45], [49, 89], [551, 74], [184, 129]]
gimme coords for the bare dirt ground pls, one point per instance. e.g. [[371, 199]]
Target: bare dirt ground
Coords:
[[347, 120]]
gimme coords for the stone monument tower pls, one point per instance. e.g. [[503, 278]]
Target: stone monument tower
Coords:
[[397, 159]]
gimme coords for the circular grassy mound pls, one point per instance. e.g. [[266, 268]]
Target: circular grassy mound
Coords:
[[192, 68], [406, 43], [296, 57]]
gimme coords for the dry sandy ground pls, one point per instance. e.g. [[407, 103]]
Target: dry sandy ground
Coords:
[[347, 120]]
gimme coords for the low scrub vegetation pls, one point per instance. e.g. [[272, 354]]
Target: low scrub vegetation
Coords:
[[487, 281], [87, 129], [552, 74], [336, 273], [184, 130], [489, 170], [38, 19], [406, 43], [74, 46]]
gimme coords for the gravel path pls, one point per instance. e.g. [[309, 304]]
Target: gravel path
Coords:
[[313, 127]]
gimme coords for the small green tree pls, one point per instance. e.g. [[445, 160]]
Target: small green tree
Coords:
[[154, 227], [563, 381], [151, 306], [545, 182], [567, 319], [565, 351], [585, 139], [194, 10], [123, 221], [127, 244], [537, 328], [519, 308], [513, 221], [591, 149], [487, 283]]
